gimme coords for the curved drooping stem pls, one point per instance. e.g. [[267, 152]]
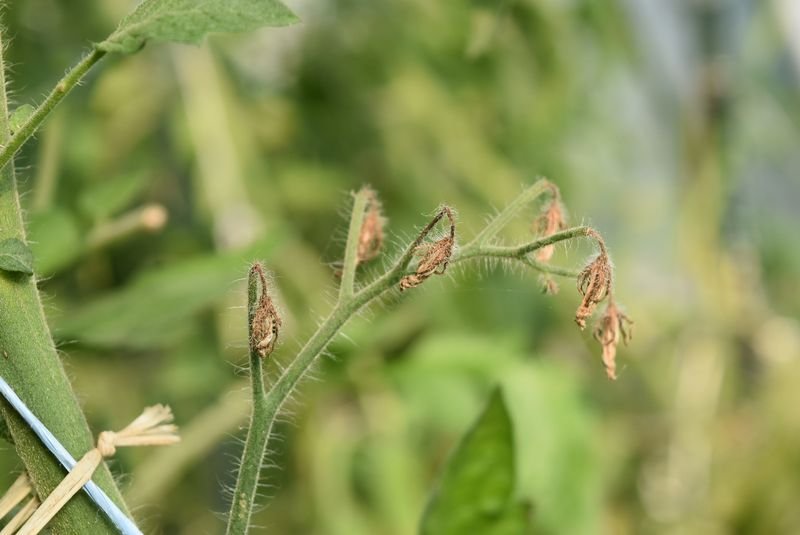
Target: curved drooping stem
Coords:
[[266, 407]]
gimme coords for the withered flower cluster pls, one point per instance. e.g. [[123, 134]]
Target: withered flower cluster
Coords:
[[435, 256], [595, 283], [266, 322]]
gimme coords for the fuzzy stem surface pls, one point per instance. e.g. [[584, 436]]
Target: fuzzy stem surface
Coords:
[[30, 363], [350, 266]]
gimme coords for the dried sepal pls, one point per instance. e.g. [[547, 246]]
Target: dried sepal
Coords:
[[265, 323], [370, 239], [614, 326], [435, 256], [550, 221], [594, 283]]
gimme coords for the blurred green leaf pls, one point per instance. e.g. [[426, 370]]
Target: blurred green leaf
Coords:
[[15, 256], [558, 464], [474, 495], [158, 308], [188, 21], [446, 375], [55, 240], [107, 197]]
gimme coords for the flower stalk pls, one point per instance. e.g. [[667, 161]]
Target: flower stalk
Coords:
[[435, 258]]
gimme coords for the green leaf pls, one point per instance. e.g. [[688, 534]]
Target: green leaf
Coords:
[[55, 240], [19, 116], [475, 492], [189, 21], [109, 197], [160, 307], [16, 256]]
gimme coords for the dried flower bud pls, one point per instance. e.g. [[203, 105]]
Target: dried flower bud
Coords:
[[550, 221], [613, 326], [265, 322], [370, 240], [435, 256], [594, 283]]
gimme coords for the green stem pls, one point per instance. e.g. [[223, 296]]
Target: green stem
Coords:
[[30, 364], [64, 86], [360, 201], [266, 408], [260, 424], [48, 162], [521, 251]]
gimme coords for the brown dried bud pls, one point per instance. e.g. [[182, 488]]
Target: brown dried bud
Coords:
[[265, 322], [594, 283], [435, 256], [370, 240], [613, 326], [550, 221]]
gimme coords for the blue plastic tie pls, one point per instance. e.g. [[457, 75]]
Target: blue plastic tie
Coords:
[[124, 524]]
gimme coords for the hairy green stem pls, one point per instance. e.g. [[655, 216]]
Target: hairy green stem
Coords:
[[266, 408], [260, 423], [30, 364], [520, 251], [350, 265], [11, 145]]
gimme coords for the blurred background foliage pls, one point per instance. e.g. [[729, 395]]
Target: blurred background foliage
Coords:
[[673, 127]]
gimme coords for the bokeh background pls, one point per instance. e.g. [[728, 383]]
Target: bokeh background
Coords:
[[673, 127]]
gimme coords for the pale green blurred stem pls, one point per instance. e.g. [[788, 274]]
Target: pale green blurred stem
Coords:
[[48, 163], [351, 249], [266, 408], [29, 362], [148, 218]]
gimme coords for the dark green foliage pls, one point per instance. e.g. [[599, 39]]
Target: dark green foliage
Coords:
[[475, 492]]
